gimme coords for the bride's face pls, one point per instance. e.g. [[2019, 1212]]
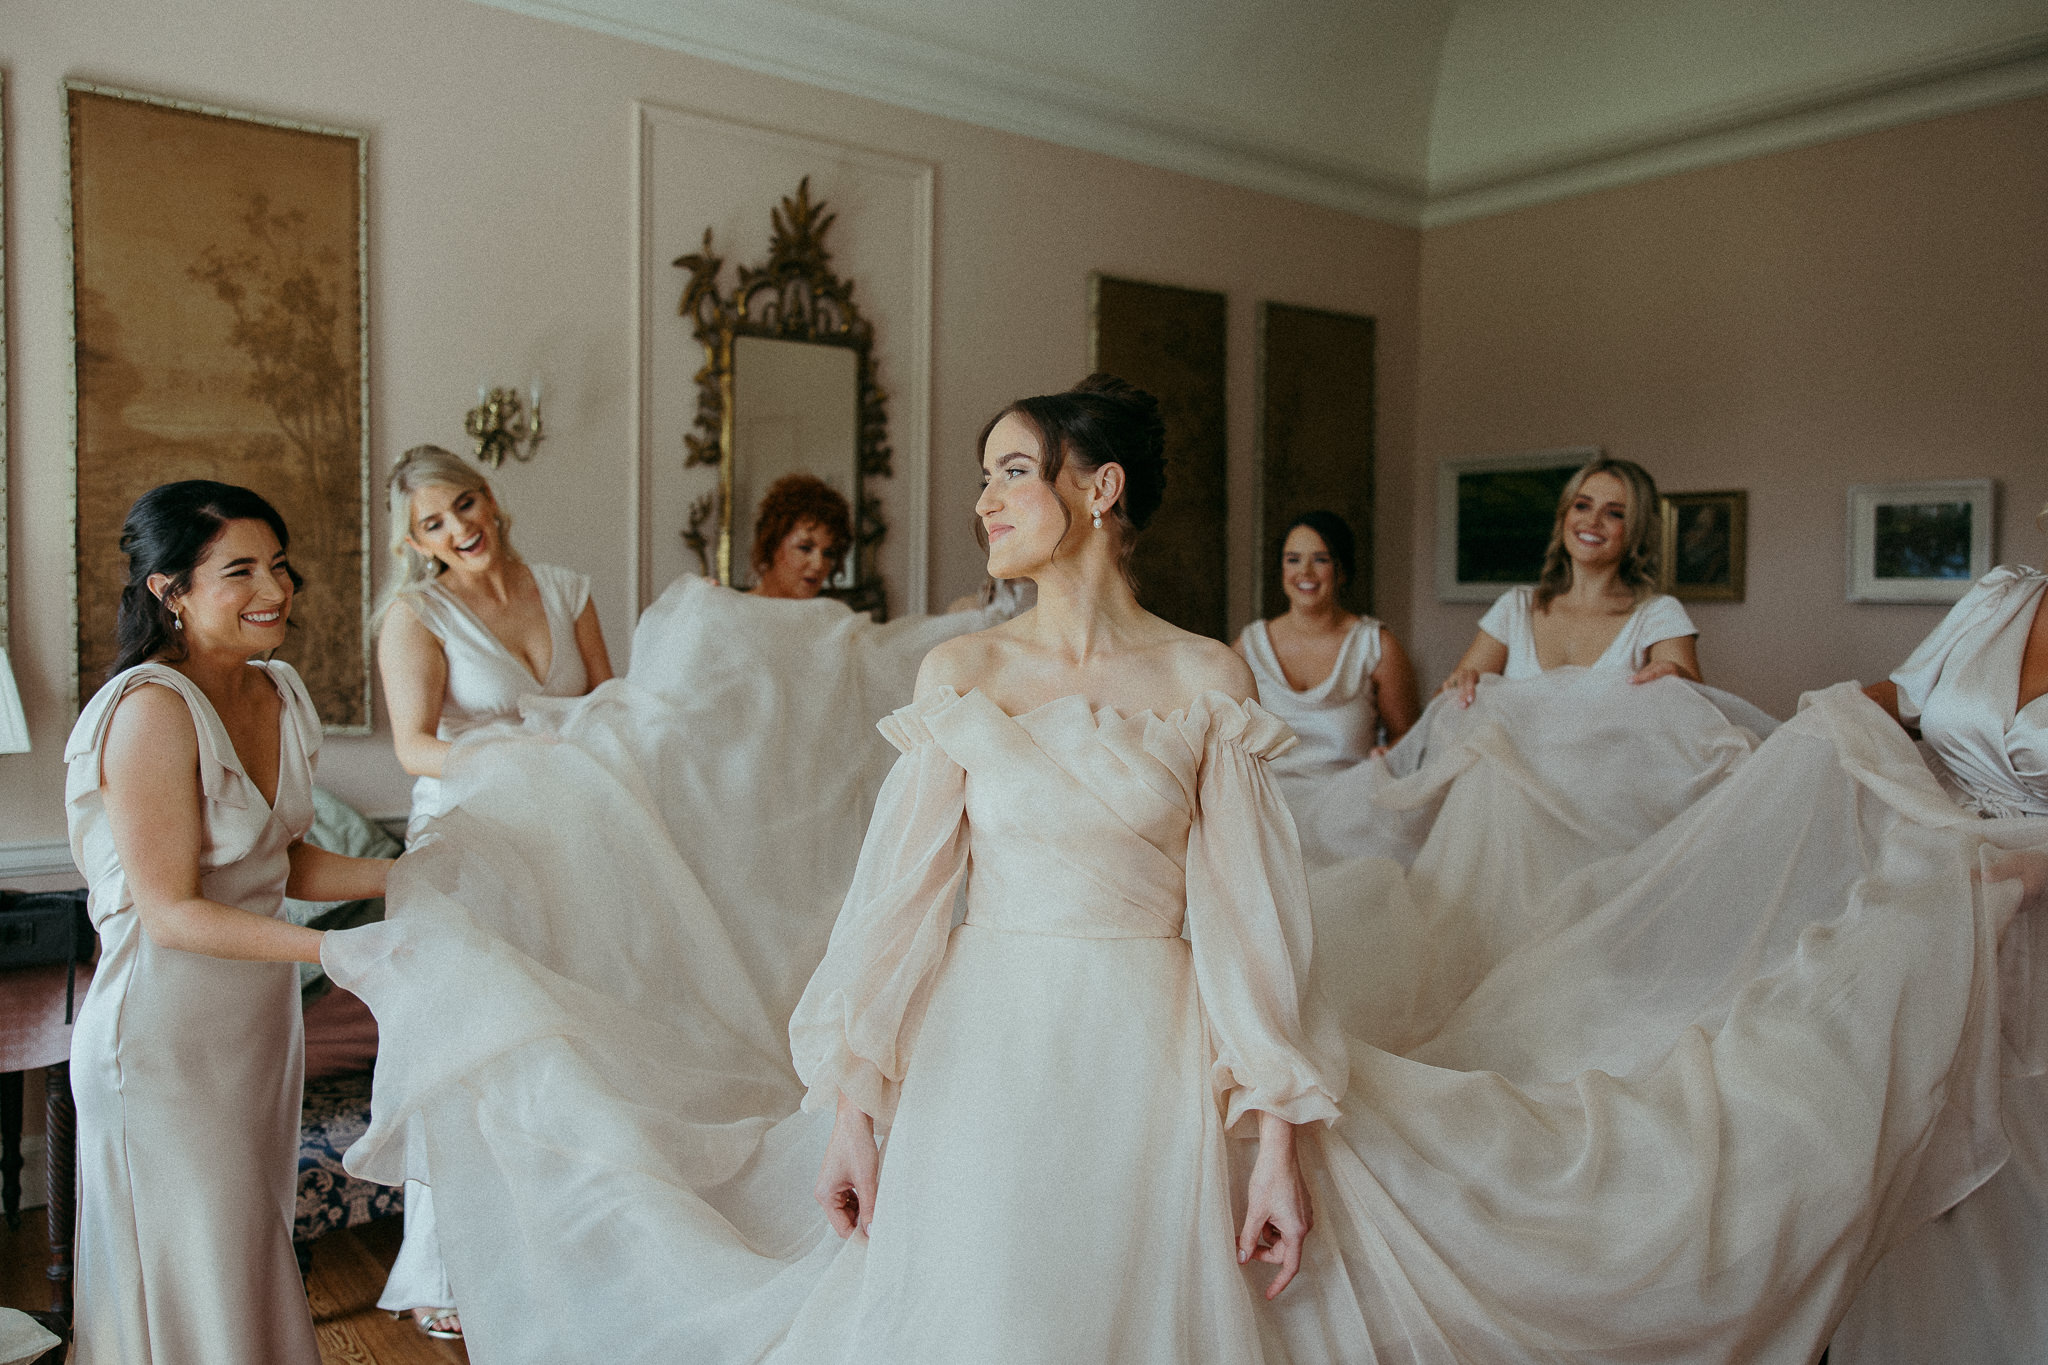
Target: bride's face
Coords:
[[1023, 515], [1596, 524]]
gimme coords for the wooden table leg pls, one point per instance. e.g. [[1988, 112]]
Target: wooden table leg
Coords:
[[10, 1148], [60, 1145]]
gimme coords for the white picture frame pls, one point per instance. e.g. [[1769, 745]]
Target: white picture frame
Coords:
[[1455, 579], [1919, 542]]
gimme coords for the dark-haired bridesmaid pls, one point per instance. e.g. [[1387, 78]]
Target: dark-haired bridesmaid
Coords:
[[1336, 678], [188, 798]]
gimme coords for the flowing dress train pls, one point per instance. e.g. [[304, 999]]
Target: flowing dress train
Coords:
[[1709, 1021]]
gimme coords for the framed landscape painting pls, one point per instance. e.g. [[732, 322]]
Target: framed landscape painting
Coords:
[[1918, 542], [218, 313], [1494, 514]]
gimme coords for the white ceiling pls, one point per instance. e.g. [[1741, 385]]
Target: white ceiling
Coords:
[[1415, 111]]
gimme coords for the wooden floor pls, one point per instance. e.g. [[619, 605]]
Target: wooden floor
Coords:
[[348, 1274]]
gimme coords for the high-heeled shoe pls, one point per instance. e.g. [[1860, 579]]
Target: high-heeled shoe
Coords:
[[444, 1323]]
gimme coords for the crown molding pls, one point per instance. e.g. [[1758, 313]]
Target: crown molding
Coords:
[[831, 53], [44, 858], [1952, 85]]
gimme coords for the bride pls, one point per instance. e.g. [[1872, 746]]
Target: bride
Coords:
[[1752, 1032], [1046, 1067]]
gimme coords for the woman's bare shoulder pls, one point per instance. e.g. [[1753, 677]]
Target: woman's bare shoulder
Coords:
[[1200, 664], [965, 661]]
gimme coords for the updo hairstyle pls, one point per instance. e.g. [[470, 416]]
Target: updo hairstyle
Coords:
[[1641, 535], [1337, 539], [168, 531], [1101, 420], [793, 500]]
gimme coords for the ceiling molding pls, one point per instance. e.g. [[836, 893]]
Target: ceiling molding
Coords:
[[820, 50], [44, 858], [1954, 85], [823, 50]]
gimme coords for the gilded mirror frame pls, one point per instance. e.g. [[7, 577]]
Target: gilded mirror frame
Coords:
[[794, 296]]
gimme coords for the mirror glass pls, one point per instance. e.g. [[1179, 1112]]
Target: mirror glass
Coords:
[[795, 409]]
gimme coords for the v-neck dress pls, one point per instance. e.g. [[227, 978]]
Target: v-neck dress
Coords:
[[486, 680], [1335, 720], [187, 1070], [1511, 620]]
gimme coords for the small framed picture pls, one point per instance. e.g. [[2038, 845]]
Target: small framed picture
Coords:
[[1494, 514], [1918, 542], [1706, 545]]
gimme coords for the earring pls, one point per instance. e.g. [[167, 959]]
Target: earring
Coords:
[[177, 621], [1098, 519]]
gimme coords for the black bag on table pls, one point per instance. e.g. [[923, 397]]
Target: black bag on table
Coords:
[[39, 928]]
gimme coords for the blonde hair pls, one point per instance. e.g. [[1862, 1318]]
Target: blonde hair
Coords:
[[1642, 531], [426, 467]]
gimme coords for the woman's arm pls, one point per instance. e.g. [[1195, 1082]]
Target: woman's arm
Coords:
[[1393, 687], [1677, 657], [414, 668], [1484, 655], [1277, 1213], [149, 780], [1886, 695], [320, 875], [597, 664], [846, 1182]]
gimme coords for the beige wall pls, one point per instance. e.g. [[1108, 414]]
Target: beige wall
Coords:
[[1866, 310], [501, 245]]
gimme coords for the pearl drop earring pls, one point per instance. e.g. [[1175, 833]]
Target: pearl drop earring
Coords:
[[1098, 519]]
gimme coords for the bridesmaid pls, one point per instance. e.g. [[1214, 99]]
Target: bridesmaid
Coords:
[[189, 795], [801, 535], [1596, 603], [469, 628], [1335, 678]]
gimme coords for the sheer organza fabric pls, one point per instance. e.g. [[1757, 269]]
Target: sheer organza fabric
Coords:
[[1656, 1040]]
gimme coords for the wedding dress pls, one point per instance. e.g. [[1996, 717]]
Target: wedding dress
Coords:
[[1665, 1094]]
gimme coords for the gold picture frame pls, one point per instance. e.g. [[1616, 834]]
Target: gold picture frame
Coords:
[[1705, 551], [220, 329]]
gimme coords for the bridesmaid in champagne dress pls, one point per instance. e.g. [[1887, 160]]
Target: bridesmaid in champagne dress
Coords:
[[1595, 604], [469, 630], [188, 798], [1335, 679]]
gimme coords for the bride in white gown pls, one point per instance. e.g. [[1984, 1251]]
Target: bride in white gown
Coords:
[[1751, 1026]]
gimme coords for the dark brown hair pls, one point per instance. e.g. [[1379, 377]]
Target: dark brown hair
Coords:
[[793, 500], [1642, 532], [1101, 420], [168, 531]]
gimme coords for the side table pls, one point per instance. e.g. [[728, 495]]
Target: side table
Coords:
[[34, 1033]]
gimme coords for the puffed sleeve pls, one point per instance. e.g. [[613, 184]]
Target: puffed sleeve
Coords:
[[1916, 677], [854, 1027], [1278, 1049], [1499, 621]]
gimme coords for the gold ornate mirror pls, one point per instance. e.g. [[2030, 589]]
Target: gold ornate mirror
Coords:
[[788, 386]]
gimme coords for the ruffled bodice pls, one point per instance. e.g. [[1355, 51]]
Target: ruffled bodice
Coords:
[[1088, 824]]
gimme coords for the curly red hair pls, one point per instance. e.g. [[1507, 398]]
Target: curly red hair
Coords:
[[793, 500]]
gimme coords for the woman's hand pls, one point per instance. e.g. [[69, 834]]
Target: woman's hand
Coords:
[[846, 1183], [1660, 668], [1462, 685], [1277, 1215]]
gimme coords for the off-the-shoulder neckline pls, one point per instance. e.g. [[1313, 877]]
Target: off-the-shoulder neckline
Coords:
[[946, 691]]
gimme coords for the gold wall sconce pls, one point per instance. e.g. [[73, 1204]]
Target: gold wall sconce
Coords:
[[502, 425]]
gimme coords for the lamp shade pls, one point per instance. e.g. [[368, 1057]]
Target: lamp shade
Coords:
[[13, 725]]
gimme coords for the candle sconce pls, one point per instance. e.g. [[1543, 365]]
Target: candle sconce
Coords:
[[501, 425]]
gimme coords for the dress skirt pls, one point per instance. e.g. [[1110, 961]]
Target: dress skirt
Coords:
[[1058, 1136]]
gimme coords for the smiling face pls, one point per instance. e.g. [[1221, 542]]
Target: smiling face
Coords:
[[1023, 516], [1596, 524], [457, 526], [804, 562], [1308, 571], [240, 594]]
